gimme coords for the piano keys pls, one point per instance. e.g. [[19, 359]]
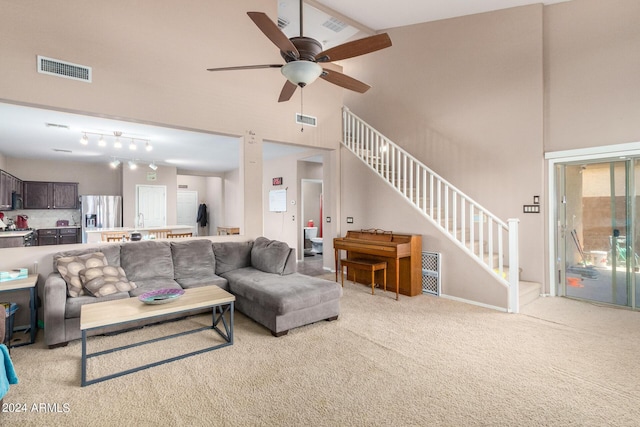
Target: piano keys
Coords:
[[402, 252]]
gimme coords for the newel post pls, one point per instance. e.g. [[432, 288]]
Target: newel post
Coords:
[[514, 267]]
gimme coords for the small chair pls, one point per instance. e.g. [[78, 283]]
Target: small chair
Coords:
[[178, 235], [159, 234], [114, 236]]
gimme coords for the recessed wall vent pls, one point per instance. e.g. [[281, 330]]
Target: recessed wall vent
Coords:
[[282, 22], [68, 70], [335, 24], [301, 119], [57, 126]]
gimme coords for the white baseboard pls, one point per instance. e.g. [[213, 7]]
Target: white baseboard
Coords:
[[479, 304]]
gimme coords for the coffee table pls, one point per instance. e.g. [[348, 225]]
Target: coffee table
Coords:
[[123, 311]]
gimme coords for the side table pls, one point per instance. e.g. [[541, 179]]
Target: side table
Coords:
[[29, 283]]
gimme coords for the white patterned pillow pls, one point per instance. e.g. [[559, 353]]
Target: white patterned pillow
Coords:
[[70, 267], [105, 280]]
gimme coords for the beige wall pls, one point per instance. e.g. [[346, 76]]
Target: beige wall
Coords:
[[592, 66], [465, 96]]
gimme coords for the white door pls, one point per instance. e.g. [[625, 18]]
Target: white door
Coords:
[[188, 209], [151, 202]]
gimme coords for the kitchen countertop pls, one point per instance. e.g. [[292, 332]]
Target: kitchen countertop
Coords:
[[165, 227], [20, 233]]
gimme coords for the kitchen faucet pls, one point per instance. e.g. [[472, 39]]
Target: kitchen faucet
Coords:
[[140, 219]]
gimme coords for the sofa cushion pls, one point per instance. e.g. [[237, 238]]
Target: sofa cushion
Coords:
[[269, 256], [111, 252], [72, 306], [146, 285], [281, 294], [231, 255], [105, 280], [193, 261], [69, 268], [147, 260], [216, 280]]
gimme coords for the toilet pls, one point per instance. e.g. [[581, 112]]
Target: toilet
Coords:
[[316, 245], [311, 234]]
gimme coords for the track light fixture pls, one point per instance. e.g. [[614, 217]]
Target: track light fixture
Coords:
[[153, 166]]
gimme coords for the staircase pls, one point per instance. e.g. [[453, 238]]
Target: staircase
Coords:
[[486, 239]]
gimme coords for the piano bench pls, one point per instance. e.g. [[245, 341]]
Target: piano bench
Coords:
[[371, 265]]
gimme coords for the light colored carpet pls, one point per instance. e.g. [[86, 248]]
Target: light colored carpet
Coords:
[[422, 361]]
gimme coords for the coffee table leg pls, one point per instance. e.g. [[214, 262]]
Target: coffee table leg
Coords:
[[84, 359]]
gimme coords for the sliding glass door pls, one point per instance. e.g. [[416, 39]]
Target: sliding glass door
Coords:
[[597, 258]]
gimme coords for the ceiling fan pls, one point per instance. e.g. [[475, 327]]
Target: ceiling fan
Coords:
[[303, 56]]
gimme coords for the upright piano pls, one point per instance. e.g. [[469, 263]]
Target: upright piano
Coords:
[[402, 252]]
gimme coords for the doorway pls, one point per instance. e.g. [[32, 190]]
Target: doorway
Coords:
[[187, 210], [597, 253], [151, 206]]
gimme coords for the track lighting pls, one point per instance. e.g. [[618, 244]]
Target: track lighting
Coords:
[[101, 141], [148, 146], [132, 165], [84, 140], [114, 163], [153, 166], [132, 145]]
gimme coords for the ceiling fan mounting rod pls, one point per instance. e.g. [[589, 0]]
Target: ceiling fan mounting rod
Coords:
[[301, 20]]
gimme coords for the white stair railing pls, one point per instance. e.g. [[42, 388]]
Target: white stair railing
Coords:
[[482, 235]]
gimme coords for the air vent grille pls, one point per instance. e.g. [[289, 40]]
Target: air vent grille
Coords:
[[335, 25], [282, 23], [306, 120], [68, 70]]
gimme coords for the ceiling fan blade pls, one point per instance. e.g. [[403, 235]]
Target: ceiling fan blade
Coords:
[[271, 30], [344, 81], [246, 67], [355, 48], [287, 91]]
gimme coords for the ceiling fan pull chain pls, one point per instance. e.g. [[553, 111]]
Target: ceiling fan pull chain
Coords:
[[301, 110]]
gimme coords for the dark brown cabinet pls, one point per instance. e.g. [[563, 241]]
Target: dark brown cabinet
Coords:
[[47, 237], [9, 184], [58, 236], [50, 195]]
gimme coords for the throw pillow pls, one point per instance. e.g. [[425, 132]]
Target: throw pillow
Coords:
[[105, 280], [269, 256], [70, 267]]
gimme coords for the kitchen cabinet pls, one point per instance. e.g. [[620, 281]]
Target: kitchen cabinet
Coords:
[[58, 236], [50, 195], [9, 184]]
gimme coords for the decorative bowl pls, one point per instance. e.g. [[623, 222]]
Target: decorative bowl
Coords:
[[161, 296]]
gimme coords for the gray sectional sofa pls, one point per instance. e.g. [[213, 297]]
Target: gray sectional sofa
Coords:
[[261, 274]]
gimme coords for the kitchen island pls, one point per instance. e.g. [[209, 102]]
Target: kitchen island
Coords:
[[94, 235], [14, 239]]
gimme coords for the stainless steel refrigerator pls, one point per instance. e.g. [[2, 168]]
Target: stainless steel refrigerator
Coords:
[[100, 212]]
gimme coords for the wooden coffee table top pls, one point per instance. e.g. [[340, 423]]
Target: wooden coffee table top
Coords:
[[130, 309]]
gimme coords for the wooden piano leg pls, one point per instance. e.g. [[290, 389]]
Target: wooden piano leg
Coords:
[[373, 280], [338, 266], [384, 278], [397, 277]]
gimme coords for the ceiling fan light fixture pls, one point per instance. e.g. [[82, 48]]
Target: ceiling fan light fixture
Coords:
[[301, 73]]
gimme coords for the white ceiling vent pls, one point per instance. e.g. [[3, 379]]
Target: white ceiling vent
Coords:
[[68, 70], [301, 119], [283, 22], [335, 24]]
